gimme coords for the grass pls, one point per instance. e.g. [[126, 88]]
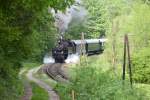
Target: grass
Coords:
[[30, 64], [38, 93], [145, 88]]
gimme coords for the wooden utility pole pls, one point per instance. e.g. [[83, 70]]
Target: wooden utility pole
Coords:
[[82, 46], [124, 60], [127, 52], [82, 49], [73, 95], [129, 60]]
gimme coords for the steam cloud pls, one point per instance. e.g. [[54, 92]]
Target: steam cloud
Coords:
[[62, 20], [48, 59], [73, 58]]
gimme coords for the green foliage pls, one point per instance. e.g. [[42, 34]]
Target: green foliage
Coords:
[[91, 83], [39, 93], [141, 66], [97, 17], [145, 88], [141, 25], [76, 27], [59, 4], [10, 87], [137, 23], [101, 14]]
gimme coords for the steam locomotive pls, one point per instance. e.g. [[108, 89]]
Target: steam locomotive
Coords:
[[65, 47]]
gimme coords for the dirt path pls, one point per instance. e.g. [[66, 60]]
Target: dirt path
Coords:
[[52, 94], [28, 92], [27, 87]]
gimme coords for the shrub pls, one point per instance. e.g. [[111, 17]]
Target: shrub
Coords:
[[141, 66], [94, 84]]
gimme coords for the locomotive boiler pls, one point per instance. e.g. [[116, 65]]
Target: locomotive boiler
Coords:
[[65, 47]]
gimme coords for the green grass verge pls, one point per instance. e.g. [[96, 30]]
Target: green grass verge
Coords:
[[43, 77], [145, 88], [38, 93], [30, 64]]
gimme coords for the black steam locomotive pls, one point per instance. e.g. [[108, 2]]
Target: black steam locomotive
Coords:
[[60, 52], [66, 47]]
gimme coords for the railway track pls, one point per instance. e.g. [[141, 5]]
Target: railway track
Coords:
[[56, 72]]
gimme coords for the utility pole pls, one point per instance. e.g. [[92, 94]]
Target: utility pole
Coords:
[[127, 52], [82, 46], [82, 50]]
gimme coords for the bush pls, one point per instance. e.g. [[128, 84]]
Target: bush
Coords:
[[94, 84], [141, 66]]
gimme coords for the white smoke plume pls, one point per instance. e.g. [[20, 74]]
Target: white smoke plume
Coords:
[[62, 20], [73, 58], [48, 59]]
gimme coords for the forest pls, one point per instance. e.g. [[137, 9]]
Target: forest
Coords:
[[28, 31]]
